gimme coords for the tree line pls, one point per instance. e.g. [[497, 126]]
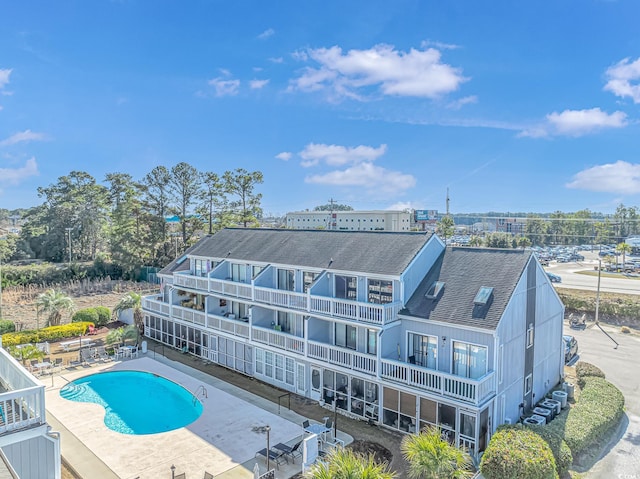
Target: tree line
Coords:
[[133, 222]]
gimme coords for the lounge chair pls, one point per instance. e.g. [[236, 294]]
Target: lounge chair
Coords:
[[180, 476], [86, 356], [290, 451], [101, 354], [276, 456], [91, 331], [305, 424], [57, 364]]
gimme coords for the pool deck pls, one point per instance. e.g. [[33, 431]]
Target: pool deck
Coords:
[[223, 441]]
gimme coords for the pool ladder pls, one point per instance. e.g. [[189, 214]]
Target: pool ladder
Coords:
[[202, 391]]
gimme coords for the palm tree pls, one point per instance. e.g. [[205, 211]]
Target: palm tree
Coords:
[[623, 248], [118, 336], [132, 301], [55, 303], [432, 457], [26, 351], [346, 464]]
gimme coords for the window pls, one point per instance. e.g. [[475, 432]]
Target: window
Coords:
[[424, 350], [380, 291], [345, 336], [238, 272], [286, 279], [530, 334], [286, 321], [434, 291], [483, 296], [308, 278], [240, 310], [256, 270], [528, 381], [372, 341], [346, 287], [469, 361]]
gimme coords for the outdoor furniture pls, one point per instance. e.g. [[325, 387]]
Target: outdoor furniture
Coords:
[[33, 363], [290, 451], [208, 476], [276, 456], [180, 476], [91, 331], [57, 364], [101, 354], [305, 424], [67, 345], [86, 356], [42, 367], [319, 429]]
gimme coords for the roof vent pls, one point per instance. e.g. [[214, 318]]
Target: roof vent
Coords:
[[483, 296], [181, 260], [435, 290]]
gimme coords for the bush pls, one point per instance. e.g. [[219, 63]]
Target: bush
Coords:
[[599, 409], [89, 315], [516, 452], [104, 315], [584, 370], [7, 326], [559, 448], [52, 333]]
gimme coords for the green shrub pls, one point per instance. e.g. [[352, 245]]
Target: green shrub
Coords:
[[516, 452], [104, 315], [599, 409], [52, 333], [7, 326], [89, 315], [584, 370], [559, 448]]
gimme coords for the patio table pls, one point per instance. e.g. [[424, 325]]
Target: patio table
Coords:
[[319, 429]]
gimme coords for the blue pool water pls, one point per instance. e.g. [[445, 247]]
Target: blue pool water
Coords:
[[136, 402]]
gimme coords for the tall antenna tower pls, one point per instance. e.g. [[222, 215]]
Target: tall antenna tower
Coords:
[[447, 201]]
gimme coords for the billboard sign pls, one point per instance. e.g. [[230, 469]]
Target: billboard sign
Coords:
[[426, 215]]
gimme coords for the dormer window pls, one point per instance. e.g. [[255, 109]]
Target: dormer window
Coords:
[[435, 290], [483, 296]]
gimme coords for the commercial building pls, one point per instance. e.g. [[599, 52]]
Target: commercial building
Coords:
[[380, 220]]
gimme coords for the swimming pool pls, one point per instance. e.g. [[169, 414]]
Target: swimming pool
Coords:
[[136, 402]]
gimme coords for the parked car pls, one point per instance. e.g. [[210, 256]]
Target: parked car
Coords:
[[570, 347], [554, 278]]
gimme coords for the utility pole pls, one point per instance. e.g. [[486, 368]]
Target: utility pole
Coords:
[[69, 234], [331, 203], [447, 201]]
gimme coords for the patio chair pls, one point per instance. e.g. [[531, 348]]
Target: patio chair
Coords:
[[32, 366], [92, 331], [290, 451], [86, 356], [276, 456], [180, 476], [101, 354], [57, 364], [305, 424]]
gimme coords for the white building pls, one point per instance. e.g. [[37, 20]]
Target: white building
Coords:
[[29, 449], [393, 328], [380, 220]]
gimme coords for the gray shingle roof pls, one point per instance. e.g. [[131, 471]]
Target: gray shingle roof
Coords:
[[386, 253], [465, 271]]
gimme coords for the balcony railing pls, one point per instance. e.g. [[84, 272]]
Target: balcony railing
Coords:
[[232, 326], [156, 305], [473, 391], [190, 281], [346, 358], [278, 339], [355, 310], [188, 314], [277, 297], [230, 288]]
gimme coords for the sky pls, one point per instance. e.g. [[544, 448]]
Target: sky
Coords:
[[511, 106]]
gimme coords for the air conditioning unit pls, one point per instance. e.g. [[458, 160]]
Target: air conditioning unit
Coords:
[[507, 420]]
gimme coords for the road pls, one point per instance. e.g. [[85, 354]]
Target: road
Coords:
[[619, 365], [571, 280]]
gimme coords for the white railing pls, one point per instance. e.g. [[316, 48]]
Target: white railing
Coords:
[[278, 339], [277, 297], [232, 326], [346, 358], [153, 303], [188, 314], [22, 408], [355, 310], [230, 288], [190, 281], [465, 389]]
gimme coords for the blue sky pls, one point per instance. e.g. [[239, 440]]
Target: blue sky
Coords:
[[513, 106]]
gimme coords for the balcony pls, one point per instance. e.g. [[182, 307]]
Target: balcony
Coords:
[[363, 312], [187, 280], [231, 326], [23, 404], [473, 391], [278, 339], [230, 288], [278, 297], [156, 305], [346, 358]]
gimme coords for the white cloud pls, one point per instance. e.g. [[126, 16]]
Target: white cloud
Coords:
[[459, 103], [336, 155], [402, 205], [4, 77], [284, 156], [26, 135], [618, 177], [225, 87], [439, 45], [276, 60], [576, 123], [417, 73], [369, 176], [257, 84], [621, 76], [16, 175], [266, 34]]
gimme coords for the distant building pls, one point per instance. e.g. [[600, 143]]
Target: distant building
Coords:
[[634, 242], [377, 220], [514, 226]]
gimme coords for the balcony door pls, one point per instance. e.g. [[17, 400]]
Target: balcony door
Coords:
[[469, 360], [346, 287]]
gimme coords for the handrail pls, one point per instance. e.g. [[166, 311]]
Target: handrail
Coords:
[[287, 395], [204, 394]]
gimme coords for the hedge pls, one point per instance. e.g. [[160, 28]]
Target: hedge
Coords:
[[599, 409], [52, 333], [559, 448], [7, 326], [584, 370], [89, 315], [516, 452], [104, 315]]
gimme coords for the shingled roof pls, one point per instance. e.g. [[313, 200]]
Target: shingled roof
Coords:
[[464, 271], [387, 253]]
